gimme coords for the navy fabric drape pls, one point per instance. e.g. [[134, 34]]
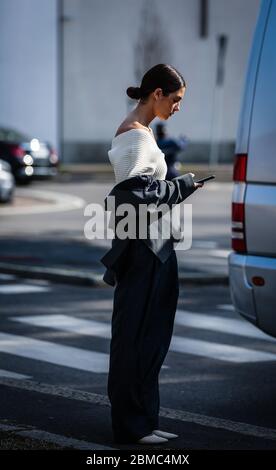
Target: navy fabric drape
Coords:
[[145, 301], [145, 275]]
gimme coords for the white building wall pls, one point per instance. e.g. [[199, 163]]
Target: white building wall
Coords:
[[28, 67], [99, 64], [99, 39]]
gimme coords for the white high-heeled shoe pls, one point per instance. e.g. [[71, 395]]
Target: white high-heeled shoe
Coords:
[[152, 439], [166, 435]]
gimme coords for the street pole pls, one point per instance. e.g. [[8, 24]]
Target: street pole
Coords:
[[217, 107], [60, 79]]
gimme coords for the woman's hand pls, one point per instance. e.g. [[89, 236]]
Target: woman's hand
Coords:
[[197, 185]]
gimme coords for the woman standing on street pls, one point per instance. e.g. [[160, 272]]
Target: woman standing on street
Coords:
[[146, 294]]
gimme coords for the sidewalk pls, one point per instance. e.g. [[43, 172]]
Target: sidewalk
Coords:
[[98, 171]]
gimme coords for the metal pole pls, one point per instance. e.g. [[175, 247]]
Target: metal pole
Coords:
[[203, 18], [60, 79], [217, 112]]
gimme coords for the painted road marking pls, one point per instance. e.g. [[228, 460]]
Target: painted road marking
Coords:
[[68, 323], [22, 289], [219, 351], [180, 415], [224, 325], [66, 356], [53, 202], [7, 277], [13, 375], [220, 253], [229, 307], [63, 441]]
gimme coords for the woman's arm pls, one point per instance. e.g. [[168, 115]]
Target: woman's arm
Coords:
[[164, 191]]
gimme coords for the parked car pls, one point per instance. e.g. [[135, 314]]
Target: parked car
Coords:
[[28, 157], [252, 264], [7, 183]]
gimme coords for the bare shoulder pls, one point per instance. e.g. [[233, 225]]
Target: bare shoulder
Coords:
[[127, 126]]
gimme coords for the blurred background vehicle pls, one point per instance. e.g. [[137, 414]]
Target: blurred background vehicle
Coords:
[[252, 264], [28, 157], [7, 183]]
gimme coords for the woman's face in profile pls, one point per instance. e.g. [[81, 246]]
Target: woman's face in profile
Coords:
[[166, 106]]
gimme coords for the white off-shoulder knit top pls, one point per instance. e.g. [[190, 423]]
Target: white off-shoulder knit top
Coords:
[[135, 152]]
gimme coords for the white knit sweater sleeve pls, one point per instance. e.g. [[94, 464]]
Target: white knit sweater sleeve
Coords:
[[135, 152]]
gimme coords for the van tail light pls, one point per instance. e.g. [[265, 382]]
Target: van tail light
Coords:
[[240, 164], [238, 206]]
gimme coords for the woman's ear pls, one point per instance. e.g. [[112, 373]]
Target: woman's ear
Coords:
[[158, 93]]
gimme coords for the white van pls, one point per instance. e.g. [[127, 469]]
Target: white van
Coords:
[[252, 263]]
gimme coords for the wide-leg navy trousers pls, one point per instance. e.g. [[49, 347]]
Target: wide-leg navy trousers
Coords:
[[144, 306]]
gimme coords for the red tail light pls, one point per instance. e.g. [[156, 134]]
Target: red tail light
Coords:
[[17, 151], [240, 164], [238, 210], [53, 156]]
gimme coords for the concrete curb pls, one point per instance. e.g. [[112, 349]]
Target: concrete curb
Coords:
[[78, 277], [50, 201], [224, 172]]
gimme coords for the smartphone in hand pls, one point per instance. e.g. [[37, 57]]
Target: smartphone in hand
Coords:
[[207, 178]]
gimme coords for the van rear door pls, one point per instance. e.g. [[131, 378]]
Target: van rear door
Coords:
[[260, 195]]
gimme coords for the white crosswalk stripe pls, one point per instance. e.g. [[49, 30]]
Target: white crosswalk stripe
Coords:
[[214, 350], [7, 277], [221, 324], [219, 253], [67, 323], [67, 356], [13, 375], [87, 360], [229, 307], [22, 289], [219, 351]]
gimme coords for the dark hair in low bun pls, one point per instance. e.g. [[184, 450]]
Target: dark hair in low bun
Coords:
[[134, 92], [162, 76]]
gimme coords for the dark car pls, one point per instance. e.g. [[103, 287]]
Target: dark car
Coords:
[[7, 184], [28, 157]]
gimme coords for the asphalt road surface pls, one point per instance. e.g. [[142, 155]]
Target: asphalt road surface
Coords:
[[217, 384], [58, 237]]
